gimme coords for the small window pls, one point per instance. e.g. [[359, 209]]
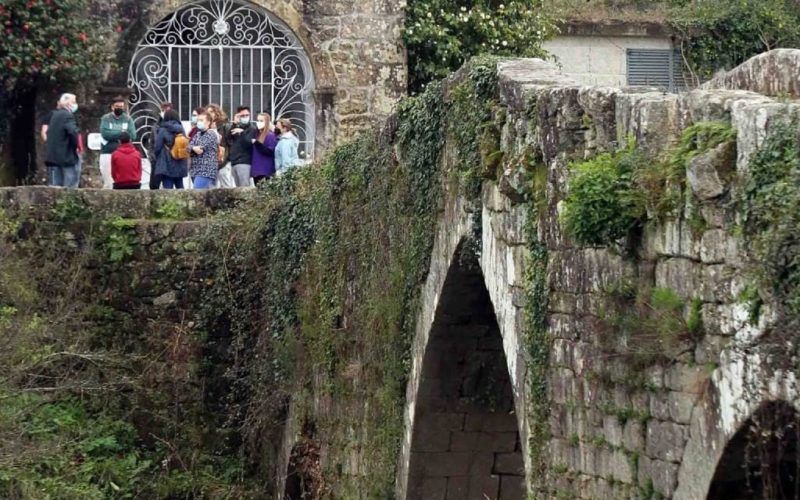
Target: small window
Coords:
[[656, 68]]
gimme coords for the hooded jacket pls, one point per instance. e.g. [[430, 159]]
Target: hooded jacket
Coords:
[[165, 163], [126, 165], [286, 152]]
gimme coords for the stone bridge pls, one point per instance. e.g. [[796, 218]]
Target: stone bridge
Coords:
[[610, 425]]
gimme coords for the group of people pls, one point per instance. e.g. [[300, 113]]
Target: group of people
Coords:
[[215, 152]]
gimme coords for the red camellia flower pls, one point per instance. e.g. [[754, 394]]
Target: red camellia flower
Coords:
[[83, 37]]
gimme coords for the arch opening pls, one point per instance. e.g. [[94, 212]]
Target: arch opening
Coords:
[[303, 473], [228, 52], [465, 441], [761, 459]]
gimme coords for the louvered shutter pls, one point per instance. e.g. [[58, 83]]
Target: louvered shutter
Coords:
[[656, 68]]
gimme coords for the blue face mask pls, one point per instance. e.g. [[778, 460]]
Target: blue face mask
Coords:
[[245, 120], [73, 108], [201, 126], [194, 120]]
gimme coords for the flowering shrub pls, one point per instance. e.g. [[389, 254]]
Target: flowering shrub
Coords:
[[50, 40], [441, 35]]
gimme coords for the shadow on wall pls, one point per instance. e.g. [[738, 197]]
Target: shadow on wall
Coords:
[[303, 475], [466, 441], [761, 460]]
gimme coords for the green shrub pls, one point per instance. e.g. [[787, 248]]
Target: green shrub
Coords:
[[600, 207]]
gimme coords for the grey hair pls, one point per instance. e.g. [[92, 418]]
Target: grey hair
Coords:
[[66, 99]]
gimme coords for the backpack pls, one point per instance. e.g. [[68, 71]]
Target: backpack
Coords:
[[180, 147]]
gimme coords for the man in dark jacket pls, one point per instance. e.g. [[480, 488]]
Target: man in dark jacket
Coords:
[[240, 138], [62, 144]]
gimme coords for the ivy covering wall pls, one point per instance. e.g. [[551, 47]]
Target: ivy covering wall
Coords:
[[305, 296]]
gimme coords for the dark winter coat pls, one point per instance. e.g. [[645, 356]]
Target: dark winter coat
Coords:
[[240, 145], [62, 140], [165, 138]]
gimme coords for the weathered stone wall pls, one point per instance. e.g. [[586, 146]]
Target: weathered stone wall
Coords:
[[618, 426], [617, 429]]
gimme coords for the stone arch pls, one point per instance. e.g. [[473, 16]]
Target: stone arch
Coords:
[[761, 459], [738, 390], [465, 441]]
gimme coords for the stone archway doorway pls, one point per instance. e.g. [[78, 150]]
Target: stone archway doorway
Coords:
[[761, 459], [465, 442], [228, 52]]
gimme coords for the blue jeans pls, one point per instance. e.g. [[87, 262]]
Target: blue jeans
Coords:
[[63, 176], [203, 182], [172, 182]]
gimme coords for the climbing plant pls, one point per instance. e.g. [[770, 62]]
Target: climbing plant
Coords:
[[769, 204]]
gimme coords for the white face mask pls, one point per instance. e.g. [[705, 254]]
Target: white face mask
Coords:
[[261, 124]]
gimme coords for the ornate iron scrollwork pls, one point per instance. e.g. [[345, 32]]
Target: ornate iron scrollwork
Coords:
[[227, 52]]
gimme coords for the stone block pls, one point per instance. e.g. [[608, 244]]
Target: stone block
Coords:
[[615, 464], [707, 174], [680, 275], [446, 464], [483, 487], [664, 475], [430, 437], [612, 430], [709, 348], [498, 441], [482, 463], [665, 440], [672, 238], [589, 460], [457, 488], [633, 436], [512, 488], [715, 283], [434, 488], [509, 463], [686, 378], [714, 246], [674, 406], [498, 422]]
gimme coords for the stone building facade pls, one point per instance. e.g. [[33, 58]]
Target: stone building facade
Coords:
[[353, 50]]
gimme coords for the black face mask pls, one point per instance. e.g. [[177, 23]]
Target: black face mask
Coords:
[[118, 111]]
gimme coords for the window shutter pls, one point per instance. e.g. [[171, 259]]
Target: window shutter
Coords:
[[656, 68]]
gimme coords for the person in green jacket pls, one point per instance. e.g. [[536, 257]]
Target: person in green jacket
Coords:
[[112, 126]]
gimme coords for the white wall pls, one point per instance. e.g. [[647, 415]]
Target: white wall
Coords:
[[597, 60]]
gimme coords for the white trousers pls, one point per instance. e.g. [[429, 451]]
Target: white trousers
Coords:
[[225, 177], [105, 171]]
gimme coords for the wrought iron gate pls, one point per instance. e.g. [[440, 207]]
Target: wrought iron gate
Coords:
[[226, 52]]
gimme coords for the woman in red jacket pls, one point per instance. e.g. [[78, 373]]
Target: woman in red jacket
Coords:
[[126, 165]]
